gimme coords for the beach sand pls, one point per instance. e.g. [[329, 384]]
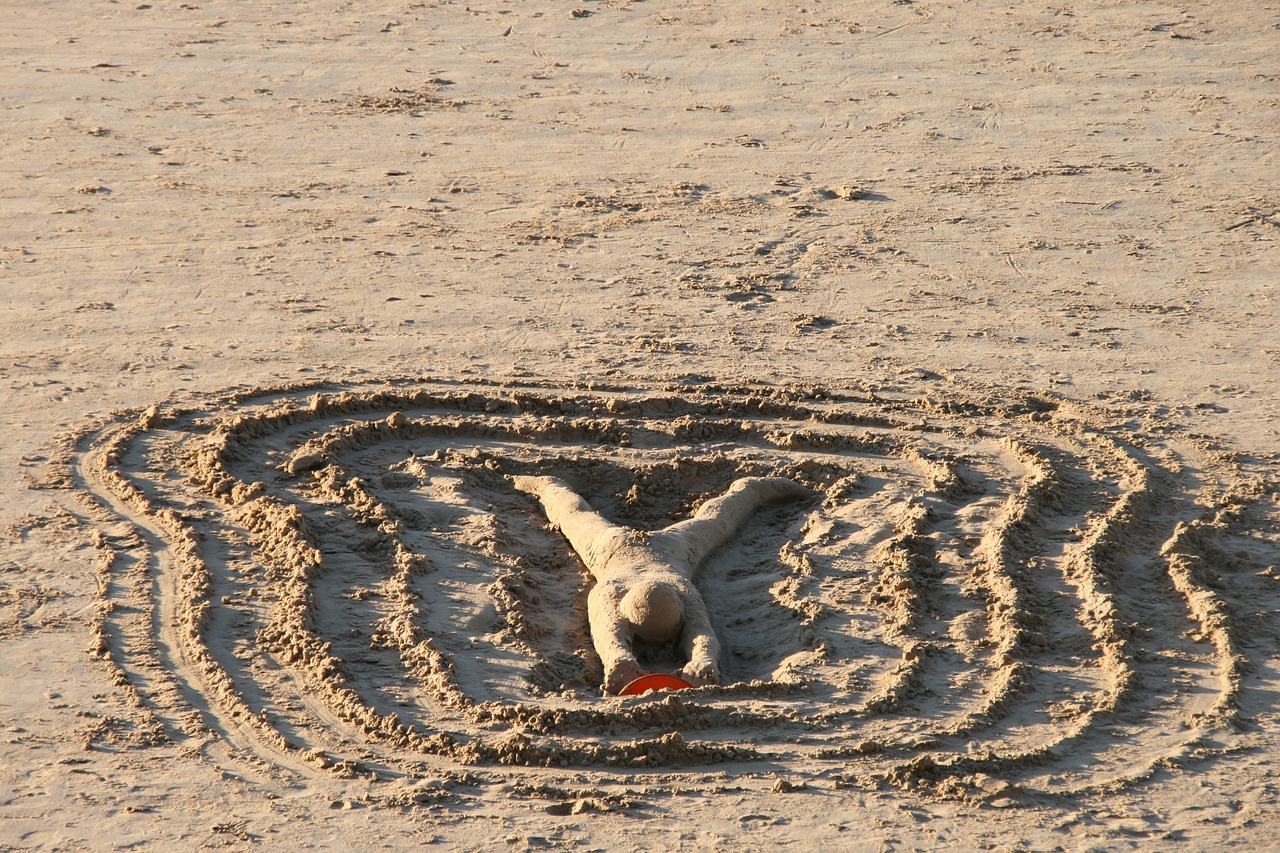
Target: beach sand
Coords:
[[292, 291]]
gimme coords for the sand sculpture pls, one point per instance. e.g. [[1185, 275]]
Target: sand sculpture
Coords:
[[644, 588], [991, 597]]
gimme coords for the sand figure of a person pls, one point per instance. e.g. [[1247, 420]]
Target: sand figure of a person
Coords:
[[644, 581]]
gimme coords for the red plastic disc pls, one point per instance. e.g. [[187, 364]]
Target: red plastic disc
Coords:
[[654, 681]]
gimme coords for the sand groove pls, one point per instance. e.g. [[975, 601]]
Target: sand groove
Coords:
[[341, 580]]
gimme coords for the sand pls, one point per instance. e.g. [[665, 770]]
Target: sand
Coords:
[[293, 292]]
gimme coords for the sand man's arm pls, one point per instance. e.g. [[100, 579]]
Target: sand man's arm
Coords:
[[700, 645], [612, 638]]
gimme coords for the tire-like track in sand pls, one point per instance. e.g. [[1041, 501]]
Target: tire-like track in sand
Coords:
[[987, 595]]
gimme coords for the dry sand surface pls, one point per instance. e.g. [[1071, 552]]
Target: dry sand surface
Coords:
[[292, 291]]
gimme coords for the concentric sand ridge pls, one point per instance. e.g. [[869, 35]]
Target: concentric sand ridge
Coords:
[[988, 595]]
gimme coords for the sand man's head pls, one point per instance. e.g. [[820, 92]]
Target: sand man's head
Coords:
[[654, 609]]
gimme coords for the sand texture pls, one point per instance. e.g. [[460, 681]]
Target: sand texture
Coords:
[[295, 293]]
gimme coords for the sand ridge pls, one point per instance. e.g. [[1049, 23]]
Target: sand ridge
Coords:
[[982, 275], [356, 589]]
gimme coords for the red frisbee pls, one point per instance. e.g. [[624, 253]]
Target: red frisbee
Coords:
[[654, 681]]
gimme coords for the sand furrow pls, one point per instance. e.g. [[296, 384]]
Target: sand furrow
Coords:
[[957, 606]]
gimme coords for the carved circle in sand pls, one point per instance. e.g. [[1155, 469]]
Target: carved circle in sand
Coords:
[[989, 594]]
